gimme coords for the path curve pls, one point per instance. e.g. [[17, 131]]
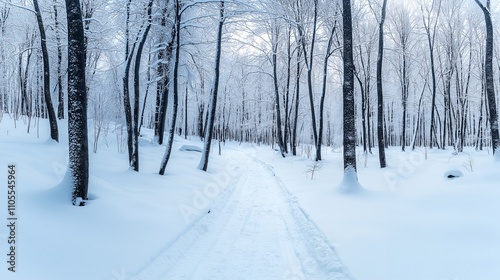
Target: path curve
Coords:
[[255, 230]]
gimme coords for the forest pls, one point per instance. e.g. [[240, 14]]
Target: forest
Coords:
[[249, 139], [266, 72]]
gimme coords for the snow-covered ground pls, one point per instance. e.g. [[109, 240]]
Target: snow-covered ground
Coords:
[[412, 222], [254, 215]]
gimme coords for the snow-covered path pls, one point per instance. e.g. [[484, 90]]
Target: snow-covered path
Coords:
[[255, 230]]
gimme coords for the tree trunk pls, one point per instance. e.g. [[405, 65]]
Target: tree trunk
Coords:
[[60, 92], [171, 133], [213, 101], [165, 89], [77, 105], [380, 94], [54, 132], [490, 84], [418, 116], [126, 94], [349, 139], [296, 109], [404, 99], [287, 90], [430, 42], [323, 93], [309, 64], [136, 110], [186, 113], [279, 133]]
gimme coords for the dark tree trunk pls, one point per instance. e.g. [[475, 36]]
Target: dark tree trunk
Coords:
[[279, 132], [148, 78], [363, 112], [309, 64], [481, 106], [430, 42], [77, 104], [186, 113], [54, 131], [287, 90], [213, 102], [349, 139], [164, 56], [418, 116], [165, 90], [126, 94], [363, 102], [60, 92], [136, 110], [160, 73], [380, 93], [328, 53], [297, 101], [171, 132], [490, 84], [404, 98]]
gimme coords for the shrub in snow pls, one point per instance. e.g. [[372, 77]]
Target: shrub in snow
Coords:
[[314, 167]]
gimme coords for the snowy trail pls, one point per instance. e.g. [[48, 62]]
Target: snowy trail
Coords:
[[255, 230]]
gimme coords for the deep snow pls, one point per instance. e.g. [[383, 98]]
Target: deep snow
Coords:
[[410, 222]]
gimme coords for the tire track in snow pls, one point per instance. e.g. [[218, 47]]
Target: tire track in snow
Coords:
[[256, 230]]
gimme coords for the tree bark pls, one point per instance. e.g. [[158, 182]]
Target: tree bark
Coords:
[[60, 92], [430, 42], [349, 139], [54, 131], [490, 84], [380, 93], [171, 133], [279, 132], [136, 110], [297, 102], [328, 53], [77, 105], [213, 101], [309, 64]]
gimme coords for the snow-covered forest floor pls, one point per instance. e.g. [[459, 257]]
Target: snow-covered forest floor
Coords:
[[253, 215]]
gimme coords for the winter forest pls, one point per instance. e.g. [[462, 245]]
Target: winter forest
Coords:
[[259, 139]]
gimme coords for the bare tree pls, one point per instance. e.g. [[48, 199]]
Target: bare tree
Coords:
[[173, 121], [380, 93], [490, 84], [213, 100], [54, 131], [401, 35], [77, 105], [275, 29], [60, 92], [430, 31], [349, 139], [132, 113]]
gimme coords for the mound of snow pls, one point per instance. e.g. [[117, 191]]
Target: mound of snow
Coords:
[[190, 148], [453, 173]]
